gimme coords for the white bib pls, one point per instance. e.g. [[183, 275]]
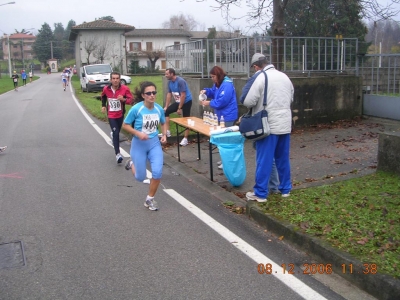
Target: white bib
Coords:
[[115, 104], [150, 123], [177, 97]]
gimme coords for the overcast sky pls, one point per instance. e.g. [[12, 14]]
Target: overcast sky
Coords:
[[25, 14]]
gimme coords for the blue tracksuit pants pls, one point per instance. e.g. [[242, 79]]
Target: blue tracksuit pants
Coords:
[[278, 147]]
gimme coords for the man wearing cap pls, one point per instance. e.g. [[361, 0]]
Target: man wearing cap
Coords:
[[14, 78], [277, 145]]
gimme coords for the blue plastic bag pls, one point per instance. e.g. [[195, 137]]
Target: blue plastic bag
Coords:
[[230, 146]]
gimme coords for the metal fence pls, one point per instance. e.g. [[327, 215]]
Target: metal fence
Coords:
[[292, 54], [198, 57], [311, 54], [381, 74]]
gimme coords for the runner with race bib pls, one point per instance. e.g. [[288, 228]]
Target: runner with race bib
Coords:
[[142, 122], [113, 100]]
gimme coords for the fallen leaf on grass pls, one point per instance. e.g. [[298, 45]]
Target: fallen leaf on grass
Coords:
[[327, 229], [363, 241], [304, 225], [281, 238]]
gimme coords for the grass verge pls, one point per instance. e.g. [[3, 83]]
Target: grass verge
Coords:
[[6, 83], [93, 105], [360, 216]]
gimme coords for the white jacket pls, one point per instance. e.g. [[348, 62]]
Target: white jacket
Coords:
[[279, 98]]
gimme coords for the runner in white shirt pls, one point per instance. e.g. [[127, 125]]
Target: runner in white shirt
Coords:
[[64, 78]]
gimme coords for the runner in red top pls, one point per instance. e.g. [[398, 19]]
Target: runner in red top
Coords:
[[113, 99]]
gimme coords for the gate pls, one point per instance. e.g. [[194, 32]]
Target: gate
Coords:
[[381, 85]]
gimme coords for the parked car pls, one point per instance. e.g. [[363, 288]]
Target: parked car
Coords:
[[95, 77]]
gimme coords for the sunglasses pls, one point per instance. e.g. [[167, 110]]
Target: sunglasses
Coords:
[[150, 93]]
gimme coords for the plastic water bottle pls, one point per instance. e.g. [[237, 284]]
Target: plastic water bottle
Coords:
[[215, 123], [210, 118], [222, 122]]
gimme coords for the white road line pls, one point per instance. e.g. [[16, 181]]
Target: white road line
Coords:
[[105, 136], [292, 282]]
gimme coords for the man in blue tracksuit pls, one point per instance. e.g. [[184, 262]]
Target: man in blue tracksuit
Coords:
[[277, 144]]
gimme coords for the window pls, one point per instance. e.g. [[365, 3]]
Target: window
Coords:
[[149, 46], [135, 46]]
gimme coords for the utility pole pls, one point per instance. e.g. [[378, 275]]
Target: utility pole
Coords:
[[9, 55], [51, 48]]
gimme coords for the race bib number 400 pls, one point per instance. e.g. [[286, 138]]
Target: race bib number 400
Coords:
[[115, 104], [150, 123]]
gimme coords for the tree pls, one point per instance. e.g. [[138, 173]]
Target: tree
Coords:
[[101, 52], [324, 18], [153, 56], [42, 47], [90, 46], [68, 50], [107, 18], [272, 12], [385, 33], [185, 22]]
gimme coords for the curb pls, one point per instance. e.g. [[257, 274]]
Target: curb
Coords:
[[381, 286]]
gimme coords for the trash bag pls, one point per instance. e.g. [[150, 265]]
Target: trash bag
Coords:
[[230, 146]]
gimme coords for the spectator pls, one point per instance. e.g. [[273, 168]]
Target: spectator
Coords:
[[277, 145], [223, 97], [179, 89]]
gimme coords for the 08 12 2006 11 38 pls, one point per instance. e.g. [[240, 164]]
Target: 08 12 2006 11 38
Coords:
[[310, 269]]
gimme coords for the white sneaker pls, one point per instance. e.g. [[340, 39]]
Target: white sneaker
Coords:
[[150, 203], [252, 197], [219, 163], [146, 181], [184, 142], [168, 133], [220, 167], [119, 158], [285, 195]]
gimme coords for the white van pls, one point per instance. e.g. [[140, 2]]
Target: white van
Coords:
[[95, 77]]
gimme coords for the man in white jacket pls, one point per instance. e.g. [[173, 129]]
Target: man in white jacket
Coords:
[[277, 144]]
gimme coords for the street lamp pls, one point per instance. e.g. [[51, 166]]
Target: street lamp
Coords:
[[7, 3]]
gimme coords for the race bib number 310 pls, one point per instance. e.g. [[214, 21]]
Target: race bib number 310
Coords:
[[115, 104], [150, 123]]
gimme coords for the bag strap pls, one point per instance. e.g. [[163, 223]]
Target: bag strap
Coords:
[[265, 92], [265, 89]]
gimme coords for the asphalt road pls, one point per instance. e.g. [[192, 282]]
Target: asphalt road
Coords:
[[87, 235]]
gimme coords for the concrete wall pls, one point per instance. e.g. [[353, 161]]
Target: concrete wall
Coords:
[[112, 40], [389, 152], [316, 99]]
